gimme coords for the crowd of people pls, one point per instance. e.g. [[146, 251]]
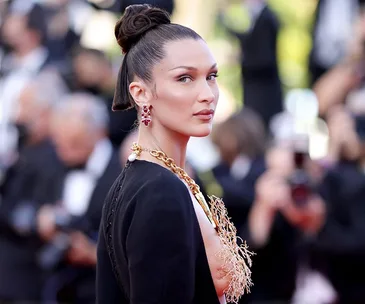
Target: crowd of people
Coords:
[[62, 147]]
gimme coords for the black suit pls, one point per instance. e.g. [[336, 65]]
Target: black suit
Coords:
[[18, 251], [78, 283], [275, 265], [273, 278], [340, 249], [238, 194], [261, 82]]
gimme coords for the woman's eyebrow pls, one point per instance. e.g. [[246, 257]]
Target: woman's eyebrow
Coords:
[[191, 68]]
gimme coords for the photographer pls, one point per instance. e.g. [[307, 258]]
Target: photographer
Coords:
[[279, 219], [70, 225], [94, 73], [340, 247]]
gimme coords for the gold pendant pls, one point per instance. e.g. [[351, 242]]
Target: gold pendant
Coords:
[[201, 200]]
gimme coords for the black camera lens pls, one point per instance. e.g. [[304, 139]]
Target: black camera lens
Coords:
[[301, 188], [360, 126]]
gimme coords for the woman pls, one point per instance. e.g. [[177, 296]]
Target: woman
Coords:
[[159, 242], [241, 141]]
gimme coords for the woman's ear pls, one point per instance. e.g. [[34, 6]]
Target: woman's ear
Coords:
[[140, 92]]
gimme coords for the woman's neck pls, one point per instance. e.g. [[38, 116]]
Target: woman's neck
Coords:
[[171, 143]]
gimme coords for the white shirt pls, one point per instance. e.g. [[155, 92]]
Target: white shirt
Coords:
[[80, 184], [334, 30], [22, 70]]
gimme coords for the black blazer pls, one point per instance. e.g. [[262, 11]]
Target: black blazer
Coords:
[[261, 81], [339, 250], [18, 252], [80, 281], [150, 247]]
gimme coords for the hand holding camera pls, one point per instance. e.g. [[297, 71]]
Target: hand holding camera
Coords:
[[306, 209], [82, 251], [46, 222], [66, 237], [290, 191], [272, 192]]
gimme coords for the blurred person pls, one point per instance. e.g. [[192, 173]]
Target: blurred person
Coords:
[[159, 241], [332, 31], [121, 5], [343, 140], [277, 228], [70, 221], [167, 5], [347, 76], [62, 37], [241, 141], [24, 34], [94, 73], [260, 75], [339, 251], [19, 241]]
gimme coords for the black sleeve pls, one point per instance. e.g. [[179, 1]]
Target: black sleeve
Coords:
[[160, 246]]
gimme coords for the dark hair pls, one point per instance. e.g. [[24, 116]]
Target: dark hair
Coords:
[[142, 33], [247, 129], [167, 5]]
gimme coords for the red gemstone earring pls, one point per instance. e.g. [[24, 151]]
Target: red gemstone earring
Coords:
[[146, 115]]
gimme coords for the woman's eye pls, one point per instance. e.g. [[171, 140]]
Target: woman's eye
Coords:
[[212, 76], [185, 79]]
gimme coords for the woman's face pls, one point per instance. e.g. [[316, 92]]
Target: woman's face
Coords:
[[185, 89]]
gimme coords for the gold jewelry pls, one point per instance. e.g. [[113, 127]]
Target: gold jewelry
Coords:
[[232, 254], [195, 189]]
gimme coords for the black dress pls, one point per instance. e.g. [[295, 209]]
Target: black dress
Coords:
[[150, 246]]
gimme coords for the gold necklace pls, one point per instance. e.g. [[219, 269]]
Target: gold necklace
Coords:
[[233, 256], [169, 163]]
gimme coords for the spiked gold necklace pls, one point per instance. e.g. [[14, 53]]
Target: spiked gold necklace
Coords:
[[233, 255], [169, 163]]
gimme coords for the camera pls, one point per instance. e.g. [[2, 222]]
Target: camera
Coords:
[[53, 253], [300, 181], [24, 219], [24, 222], [360, 126]]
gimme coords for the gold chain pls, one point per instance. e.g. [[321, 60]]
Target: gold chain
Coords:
[[233, 255], [170, 163]]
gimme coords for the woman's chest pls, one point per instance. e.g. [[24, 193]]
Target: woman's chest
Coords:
[[213, 247]]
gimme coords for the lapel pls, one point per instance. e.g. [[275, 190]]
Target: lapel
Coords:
[[101, 189]]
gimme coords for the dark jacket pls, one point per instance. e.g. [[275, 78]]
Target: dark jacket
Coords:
[[340, 248], [150, 247], [18, 250], [261, 81], [76, 284]]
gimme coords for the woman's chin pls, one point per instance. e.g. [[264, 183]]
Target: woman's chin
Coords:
[[202, 131]]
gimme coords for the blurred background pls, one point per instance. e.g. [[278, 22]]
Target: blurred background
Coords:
[[287, 151]]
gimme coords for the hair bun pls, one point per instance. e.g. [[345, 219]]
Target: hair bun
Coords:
[[136, 21]]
